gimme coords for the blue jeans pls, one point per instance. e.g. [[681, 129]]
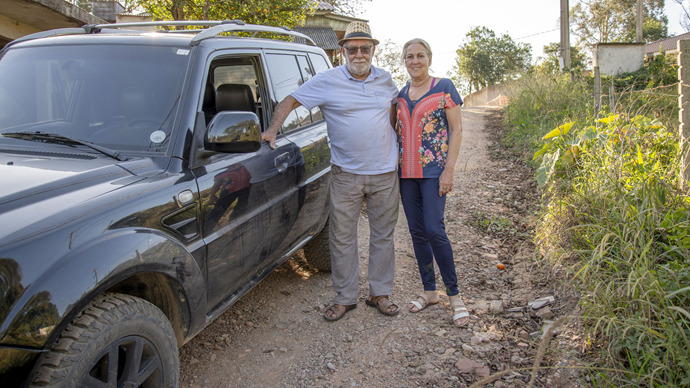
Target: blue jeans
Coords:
[[424, 212]]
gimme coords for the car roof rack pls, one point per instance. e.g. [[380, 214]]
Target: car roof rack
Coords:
[[215, 28]]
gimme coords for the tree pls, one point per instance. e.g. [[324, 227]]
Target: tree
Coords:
[[388, 56], [346, 7], [606, 21], [287, 13], [488, 60], [551, 64]]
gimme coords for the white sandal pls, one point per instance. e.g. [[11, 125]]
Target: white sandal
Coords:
[[459, 312], [420, 303]]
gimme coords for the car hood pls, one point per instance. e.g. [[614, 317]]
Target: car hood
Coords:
[[35, 188]]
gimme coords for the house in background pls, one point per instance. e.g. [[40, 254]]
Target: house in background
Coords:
[[668, 45], [325, 28], [24, 17], [113, 12]]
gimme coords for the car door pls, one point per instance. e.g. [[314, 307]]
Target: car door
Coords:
[[307, 130], [249, 200]]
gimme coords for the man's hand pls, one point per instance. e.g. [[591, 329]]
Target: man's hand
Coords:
[[270, 137], [280, 113]]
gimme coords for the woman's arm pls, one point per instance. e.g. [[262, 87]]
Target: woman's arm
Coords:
[[454, 117]]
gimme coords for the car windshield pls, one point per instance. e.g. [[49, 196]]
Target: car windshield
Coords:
[[123, 97]]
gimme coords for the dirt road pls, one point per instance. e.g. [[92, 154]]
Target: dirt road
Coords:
[[276, 335]]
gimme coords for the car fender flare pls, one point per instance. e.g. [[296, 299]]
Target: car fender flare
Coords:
[[116, 261]]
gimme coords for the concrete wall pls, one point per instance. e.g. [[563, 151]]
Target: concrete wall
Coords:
[[616, 58], [494, 95], [107, 10], [23, 17]]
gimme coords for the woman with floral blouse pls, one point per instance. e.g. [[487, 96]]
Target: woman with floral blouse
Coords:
[[430, 133]]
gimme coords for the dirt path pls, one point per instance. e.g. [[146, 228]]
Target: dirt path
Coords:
[[276, 336]]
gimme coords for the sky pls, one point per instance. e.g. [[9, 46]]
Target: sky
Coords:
[[444, 23]]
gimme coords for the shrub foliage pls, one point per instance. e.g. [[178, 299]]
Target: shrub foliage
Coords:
[[616, 212]]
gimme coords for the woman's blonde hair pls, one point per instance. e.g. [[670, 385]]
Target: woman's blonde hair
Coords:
[[420, 41]]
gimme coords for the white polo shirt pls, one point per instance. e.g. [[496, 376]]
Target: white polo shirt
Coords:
[[358, 117]]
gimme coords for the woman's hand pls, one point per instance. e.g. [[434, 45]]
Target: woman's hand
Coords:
[[445, 182]]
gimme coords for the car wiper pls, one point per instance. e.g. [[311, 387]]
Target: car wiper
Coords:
[[38, 135]]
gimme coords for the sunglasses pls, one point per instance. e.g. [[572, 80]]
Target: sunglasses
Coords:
[[352, 50]]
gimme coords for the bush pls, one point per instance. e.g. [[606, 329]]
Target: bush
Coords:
[[615, 213]]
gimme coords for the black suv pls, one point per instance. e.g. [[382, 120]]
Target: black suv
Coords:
[[137, 201]]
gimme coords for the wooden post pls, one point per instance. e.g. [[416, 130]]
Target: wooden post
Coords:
[[597, 91], [640, 21], [684, 104], [565, 35]]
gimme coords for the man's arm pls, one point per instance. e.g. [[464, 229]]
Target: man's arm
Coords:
[[394, 115], [281, 112]]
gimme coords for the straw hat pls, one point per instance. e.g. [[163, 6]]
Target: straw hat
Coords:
[[358, 30]]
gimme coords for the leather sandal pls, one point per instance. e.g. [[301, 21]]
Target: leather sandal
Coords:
[[382, 303], [337, 312]]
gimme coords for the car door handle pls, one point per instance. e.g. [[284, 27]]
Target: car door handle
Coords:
[[281, 162]]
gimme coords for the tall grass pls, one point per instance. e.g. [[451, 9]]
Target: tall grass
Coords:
[[615, 213], [539, 101]]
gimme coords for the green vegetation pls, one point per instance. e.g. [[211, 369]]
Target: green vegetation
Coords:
[[615, 213], [268, 12], [602, 21], [486, 59]]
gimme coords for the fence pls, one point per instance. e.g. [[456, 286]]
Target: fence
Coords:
[[684, 101]]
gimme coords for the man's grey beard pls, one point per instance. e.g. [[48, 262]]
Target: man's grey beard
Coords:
[[357, 70]]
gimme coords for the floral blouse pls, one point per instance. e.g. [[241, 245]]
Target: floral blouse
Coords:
[[423, 130]]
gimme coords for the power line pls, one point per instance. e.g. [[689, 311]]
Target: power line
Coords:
[[538, 33]]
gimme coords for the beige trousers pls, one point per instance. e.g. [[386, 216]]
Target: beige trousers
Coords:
[[348, 193]]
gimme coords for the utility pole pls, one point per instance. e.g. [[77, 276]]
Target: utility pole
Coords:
[[565, 35], [640, 19]]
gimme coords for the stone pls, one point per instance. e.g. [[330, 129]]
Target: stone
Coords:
[[545, 313], [517, 360], [481, 306], [523, 334], [479, 338], [484, 371], [496, 306], [541, 302], [465, 365], [546, 327]]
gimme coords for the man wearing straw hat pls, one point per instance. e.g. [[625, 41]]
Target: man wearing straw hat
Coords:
[[358, 102]]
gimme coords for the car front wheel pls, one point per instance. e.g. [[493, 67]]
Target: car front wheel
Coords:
[[116, 341]]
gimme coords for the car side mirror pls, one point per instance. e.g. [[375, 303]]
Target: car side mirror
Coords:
[[233, 132]]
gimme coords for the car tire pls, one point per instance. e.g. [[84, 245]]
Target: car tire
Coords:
[[317, 251], [117, 340]]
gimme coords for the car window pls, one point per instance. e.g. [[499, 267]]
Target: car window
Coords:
[[319, 62], [286, 77], [307, 74], [121, 97], [233, 84]]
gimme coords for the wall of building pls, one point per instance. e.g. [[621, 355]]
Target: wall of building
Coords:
[[616, 58], [494, 95]]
